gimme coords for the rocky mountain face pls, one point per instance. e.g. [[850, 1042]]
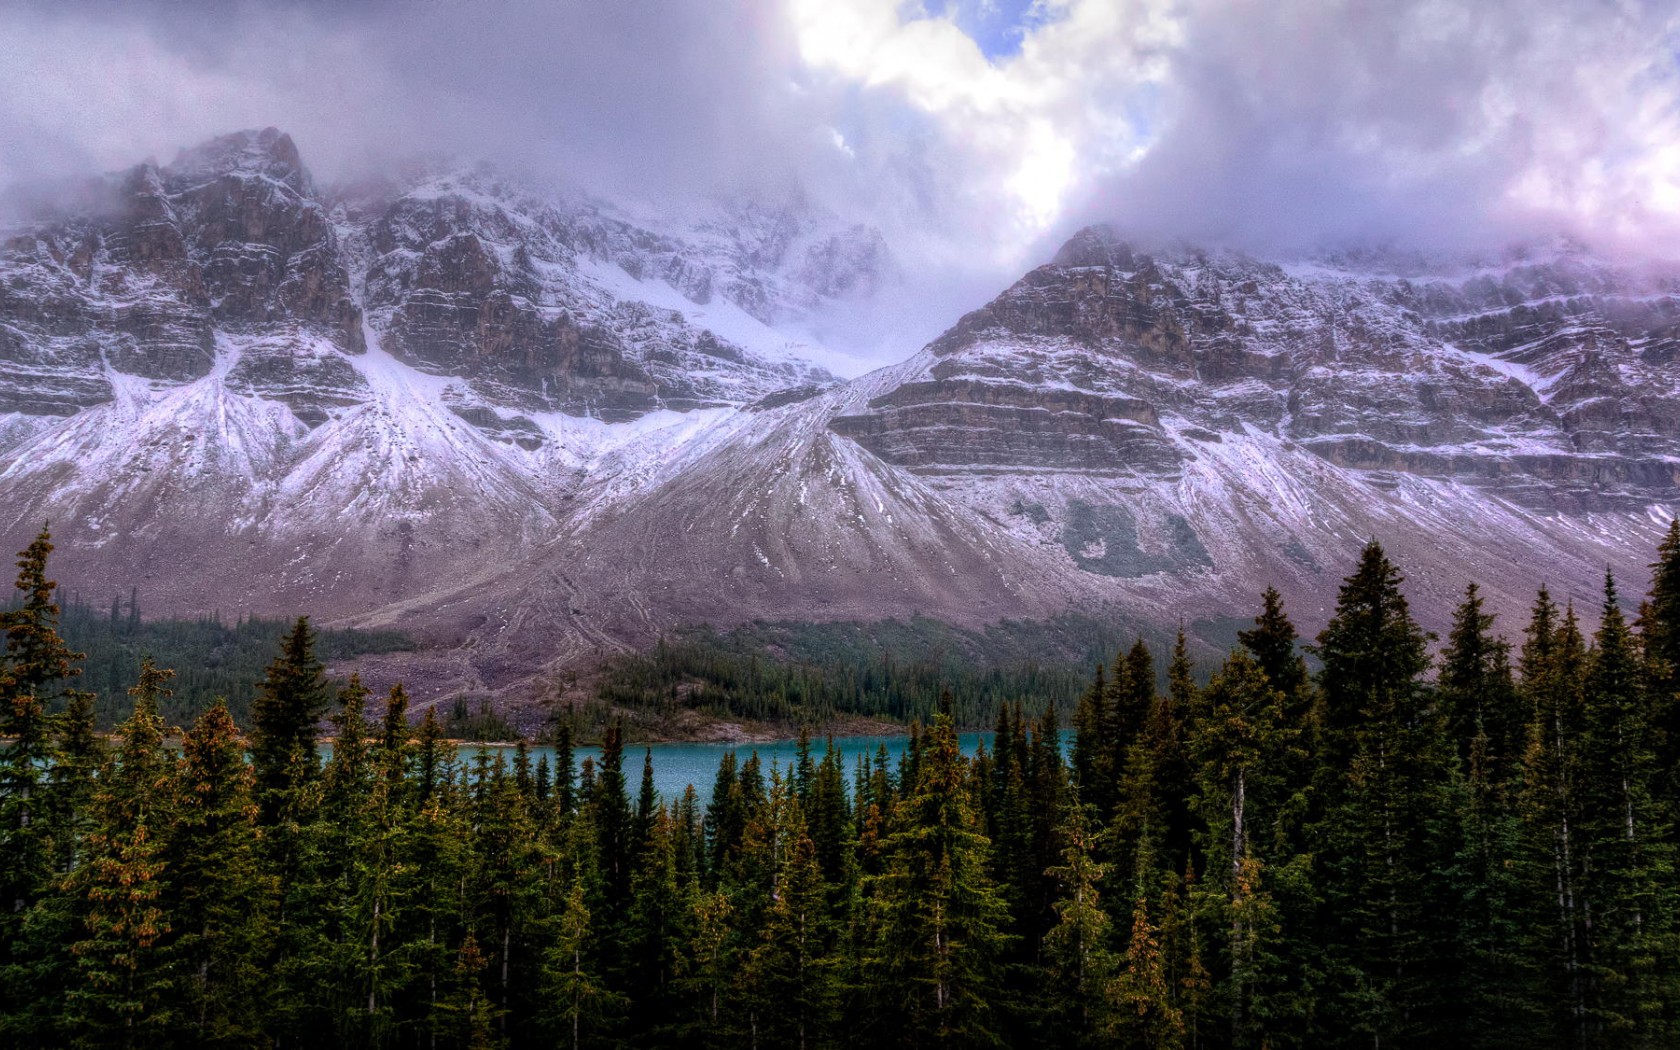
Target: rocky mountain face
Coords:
[[534, 429]]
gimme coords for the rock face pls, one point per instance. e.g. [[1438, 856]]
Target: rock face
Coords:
[[229, 236], [1545, 380], [240, 390], [469, 277], [535, 430]]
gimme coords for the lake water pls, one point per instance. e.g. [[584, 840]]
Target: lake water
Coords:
[[677, 765]]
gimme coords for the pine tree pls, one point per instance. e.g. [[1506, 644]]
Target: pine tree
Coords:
[[1274, 644], [1076, 950], [47, 774], [1093, 762], [1659, 636], [122, 993], [1553, 667], [938, 919], [1476, 696], [578, 1001], [1240, 743], [647, 805], [564, 771], [38, 659], [1631, 941], [466, 1017], [431, 876], [1141, 999], [290, 700], [1381, 767], [503, 894], [218, 893], [655, 929], [611, 816], [36, 663], [788, 973], [372, 962]]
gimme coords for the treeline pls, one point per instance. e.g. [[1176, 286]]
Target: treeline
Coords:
[[797, 673], [1355, 857], [212, 658]]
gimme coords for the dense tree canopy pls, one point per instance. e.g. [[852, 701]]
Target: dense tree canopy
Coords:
[[1406, 848]]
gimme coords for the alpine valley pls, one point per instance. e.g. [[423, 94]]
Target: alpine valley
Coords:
[[538, 429]]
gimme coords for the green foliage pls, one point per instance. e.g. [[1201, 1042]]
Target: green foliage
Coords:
[[212, 658], [813, 673], [1360, 856]]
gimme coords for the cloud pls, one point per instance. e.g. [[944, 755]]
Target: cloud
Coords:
[[974, 133], [659, 93], [1438, 123]]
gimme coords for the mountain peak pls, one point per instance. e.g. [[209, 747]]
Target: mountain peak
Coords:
[[268, 152]]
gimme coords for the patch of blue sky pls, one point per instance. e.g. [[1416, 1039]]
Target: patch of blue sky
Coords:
[[999, 27]]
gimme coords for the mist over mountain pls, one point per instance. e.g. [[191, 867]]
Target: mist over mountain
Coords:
[[537, 428]]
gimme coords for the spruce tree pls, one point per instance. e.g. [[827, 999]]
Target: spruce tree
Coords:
[[577, 1001], [122, 994], [788, 974], [1274, 644], [1631, 943], [1080, 963], [655, 931], [1381, 767], [1553, 667], [938, 920], [1240, 742], [290, 700], [218, 891], [1476, 695], [1142, 1003], [37, 663], [1659, 637]]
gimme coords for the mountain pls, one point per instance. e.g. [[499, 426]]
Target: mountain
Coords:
[[535, 428], [237, 391]]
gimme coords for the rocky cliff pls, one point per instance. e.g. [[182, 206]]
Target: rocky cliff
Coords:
[[535, 430]]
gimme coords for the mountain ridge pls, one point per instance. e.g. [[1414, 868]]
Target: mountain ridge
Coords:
[[537, 434]]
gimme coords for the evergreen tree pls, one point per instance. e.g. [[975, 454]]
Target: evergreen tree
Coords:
[[1553, 667], [1076, 950], [290, 700], [1141, 1000], [1240, 743], [1477, 697], [465, 1016], [1659, 636], [1093, 762], [1381, 769], [218, 892], [122, 994], [1273, 643], [578, 1001], [789, 972], [611, 816], [938, 919], [36, 664], [1631, 939], [655, 930]]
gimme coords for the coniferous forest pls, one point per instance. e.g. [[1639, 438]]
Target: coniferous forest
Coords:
[[1463, 844]]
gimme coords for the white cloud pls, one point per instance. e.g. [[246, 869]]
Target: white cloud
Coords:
[[1276, 122]]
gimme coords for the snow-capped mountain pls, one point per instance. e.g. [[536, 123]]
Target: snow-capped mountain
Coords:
[[539, 427]]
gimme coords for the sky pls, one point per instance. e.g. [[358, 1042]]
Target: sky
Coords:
[[975, 134]]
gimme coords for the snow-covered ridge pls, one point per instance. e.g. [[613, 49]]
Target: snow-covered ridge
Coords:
[[541, 427]]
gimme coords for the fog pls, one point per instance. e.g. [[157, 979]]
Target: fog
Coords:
[[1282, 125]]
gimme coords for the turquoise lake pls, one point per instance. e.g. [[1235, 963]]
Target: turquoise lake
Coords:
[[675, 766]]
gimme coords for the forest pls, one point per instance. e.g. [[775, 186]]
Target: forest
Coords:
[[1400, 847]]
